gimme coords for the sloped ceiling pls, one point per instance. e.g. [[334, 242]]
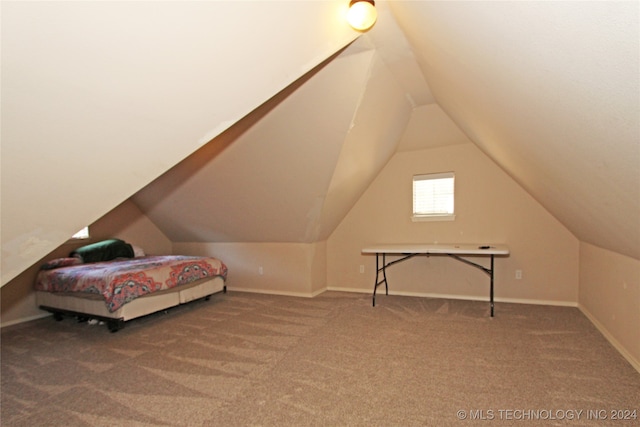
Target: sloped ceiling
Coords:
[[270, 182], [549, 90], [100, 98], [292, 169]]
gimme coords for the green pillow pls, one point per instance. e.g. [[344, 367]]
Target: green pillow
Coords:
[[105, 250]]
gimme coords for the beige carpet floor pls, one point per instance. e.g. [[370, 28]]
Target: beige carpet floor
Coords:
[[245, 359]]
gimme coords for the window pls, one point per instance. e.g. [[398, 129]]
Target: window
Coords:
[[82, 234], [433, 196]]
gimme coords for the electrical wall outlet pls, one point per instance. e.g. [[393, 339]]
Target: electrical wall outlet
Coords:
[[518, 274], [260, 270], [361, 268]]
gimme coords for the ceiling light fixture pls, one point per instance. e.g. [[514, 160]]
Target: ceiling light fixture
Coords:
[[362, 14]]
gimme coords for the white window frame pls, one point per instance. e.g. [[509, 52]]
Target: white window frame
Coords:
[[81, 234], [436, 183]]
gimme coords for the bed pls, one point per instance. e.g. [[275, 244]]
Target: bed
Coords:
[[107, 282]]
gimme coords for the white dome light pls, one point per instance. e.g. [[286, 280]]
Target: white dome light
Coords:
[[362, 14]]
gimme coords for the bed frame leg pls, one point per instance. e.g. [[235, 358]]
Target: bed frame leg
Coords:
[[115, 325]]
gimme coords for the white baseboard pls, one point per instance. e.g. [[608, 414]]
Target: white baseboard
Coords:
[[283, 293], [537, 302], [355, 290], [614, 342], [25, 319], [459, 297]]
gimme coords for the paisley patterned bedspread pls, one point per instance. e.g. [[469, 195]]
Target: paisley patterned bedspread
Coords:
[[121, 281]]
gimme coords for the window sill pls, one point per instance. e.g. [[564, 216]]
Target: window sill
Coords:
[[423, 218]]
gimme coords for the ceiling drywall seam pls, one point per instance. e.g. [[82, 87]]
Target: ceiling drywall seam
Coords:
[[388, 38], [275, 165], [317, 216], [379, 121]]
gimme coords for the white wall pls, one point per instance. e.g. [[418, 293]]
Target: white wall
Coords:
[[610, 297], [490, 207], [297, 269]]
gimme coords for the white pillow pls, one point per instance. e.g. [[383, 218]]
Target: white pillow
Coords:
[[137, 251]]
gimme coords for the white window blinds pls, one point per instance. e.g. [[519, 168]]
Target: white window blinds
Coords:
[[433, 195]]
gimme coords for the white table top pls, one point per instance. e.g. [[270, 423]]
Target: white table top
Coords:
[[453, 248]]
